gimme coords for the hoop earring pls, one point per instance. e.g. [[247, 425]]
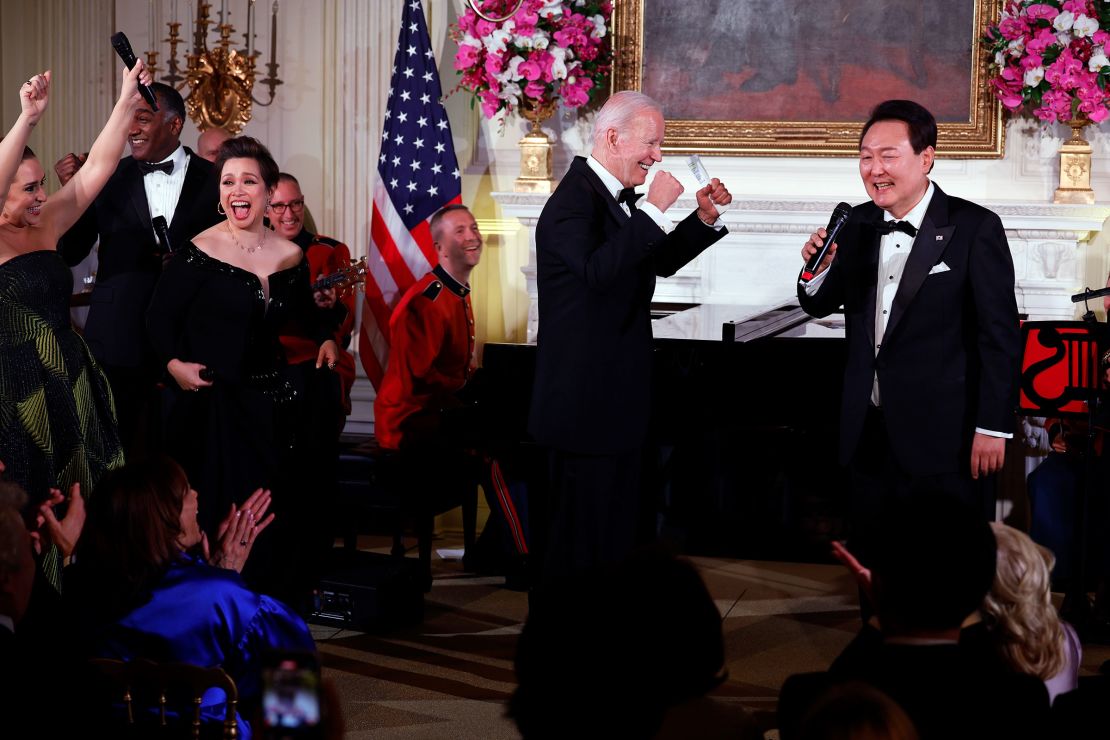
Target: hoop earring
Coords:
[[220, 209]]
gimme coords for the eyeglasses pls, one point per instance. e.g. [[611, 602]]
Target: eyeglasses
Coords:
[[296, 205]]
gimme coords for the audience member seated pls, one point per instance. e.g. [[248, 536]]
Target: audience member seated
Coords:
[[1019, 620], [628, 653], [856, 711], [145, 585], [935, 562]]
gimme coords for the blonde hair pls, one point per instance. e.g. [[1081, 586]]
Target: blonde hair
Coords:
[[1018, 610]]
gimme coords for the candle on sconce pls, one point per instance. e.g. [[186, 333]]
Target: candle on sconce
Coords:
[[273, 37], [223, 12], [250, 28], [153, 32]]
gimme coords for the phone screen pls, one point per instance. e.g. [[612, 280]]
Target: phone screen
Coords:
[[291, 695]]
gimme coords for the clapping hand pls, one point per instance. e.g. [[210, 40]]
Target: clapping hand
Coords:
[[63, 532], [237, 533]]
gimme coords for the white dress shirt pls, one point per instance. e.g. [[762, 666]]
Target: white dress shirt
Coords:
[[162, 190], [610, 181]]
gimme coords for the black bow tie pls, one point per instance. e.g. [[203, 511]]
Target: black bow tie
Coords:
[[147, 167], [887, 227], [628, 196]]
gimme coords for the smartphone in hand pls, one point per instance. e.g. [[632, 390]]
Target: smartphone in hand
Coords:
[[291, 705]]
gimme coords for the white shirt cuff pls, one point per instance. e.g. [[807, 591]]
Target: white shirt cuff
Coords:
[[989, 433], [814, 284], [657, 216]]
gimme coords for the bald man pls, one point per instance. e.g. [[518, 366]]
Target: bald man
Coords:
[[208, 145]]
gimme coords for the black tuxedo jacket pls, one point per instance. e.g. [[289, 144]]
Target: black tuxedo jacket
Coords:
[[596, 270], [950, 359], [129, 258]]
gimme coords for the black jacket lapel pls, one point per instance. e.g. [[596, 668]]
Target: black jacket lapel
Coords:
[[137, 191], [870, 239], [591, 177], [190, 190]]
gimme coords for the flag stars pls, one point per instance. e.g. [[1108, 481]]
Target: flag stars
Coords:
[[402, 117], [419, 143], [415, 5], [436, 169], [427, 77], [456, 173], [442, 124], [429, 54], [433, 190], [396, 161], [422, 121], [409, 72], [440, 148], [415, 164], [393, 183], [399, 139], [413, 28], [383, 158], [425, 98], [411, 50], [405, 95], [408, 208], [411, 186]]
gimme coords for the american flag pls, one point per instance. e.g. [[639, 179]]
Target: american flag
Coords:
[[417, 175]]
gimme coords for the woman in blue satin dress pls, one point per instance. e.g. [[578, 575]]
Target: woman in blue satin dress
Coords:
[[57, 421], [146, 586]]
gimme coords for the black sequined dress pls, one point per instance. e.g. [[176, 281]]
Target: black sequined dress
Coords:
[[236, 435]]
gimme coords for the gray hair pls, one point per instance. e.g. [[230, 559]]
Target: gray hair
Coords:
[[619, 111]]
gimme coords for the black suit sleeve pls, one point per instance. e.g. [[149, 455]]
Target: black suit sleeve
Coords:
[[991, 273], [829, 295], [76, 243], [169, 309], [600, 261]]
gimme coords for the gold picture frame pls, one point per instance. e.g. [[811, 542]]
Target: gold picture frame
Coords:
[[972, 129]]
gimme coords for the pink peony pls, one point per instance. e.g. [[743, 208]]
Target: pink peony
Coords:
[[1013, 28], [535, 90], [1042, 39], [1041, 11], [467, 56]]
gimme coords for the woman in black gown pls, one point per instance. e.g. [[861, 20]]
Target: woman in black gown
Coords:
[[214, 321], [57, 421]]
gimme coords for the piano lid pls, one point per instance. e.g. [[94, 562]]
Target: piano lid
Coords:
[[744, 323]]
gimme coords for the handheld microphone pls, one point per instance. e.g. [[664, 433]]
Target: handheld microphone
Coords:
[[123, 48], [839, 217], [162, 231], [208, 374]]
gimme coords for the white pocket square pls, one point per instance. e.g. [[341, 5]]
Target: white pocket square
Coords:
[[939, 268]]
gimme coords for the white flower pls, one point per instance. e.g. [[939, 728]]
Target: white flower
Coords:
[[512, 70], [1063, 39], [497, 41], [1034, 76], [1098, 60], [599, 26], [524, 42], [559, 65], [1017, 47], [541, 39], [999, 59], [551, 9], [1084, 26], [1064, 21], [509, 91]]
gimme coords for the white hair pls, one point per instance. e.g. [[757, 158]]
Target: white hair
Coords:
[[619, 111]]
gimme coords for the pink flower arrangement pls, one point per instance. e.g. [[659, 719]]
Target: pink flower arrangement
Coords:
[[1050, 58], [549, 49]]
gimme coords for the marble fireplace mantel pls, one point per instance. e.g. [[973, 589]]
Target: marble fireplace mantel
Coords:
[[758, 261]]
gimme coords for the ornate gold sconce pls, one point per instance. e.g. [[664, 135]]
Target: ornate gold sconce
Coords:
[[221, 79]]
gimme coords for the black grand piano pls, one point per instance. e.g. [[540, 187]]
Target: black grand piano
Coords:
[[744, 428]]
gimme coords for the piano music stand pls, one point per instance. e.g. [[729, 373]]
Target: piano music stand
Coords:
[[1061, 376]]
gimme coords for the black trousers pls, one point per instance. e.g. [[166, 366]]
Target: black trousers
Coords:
[[594, 509], [879, 483]]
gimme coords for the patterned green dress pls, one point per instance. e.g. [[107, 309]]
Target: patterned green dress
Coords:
[[57, 417]]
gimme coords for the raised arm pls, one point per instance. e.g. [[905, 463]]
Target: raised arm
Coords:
[[66, 206], [33, 97]]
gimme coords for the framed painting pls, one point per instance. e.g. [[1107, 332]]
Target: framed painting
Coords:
[[768, 77]]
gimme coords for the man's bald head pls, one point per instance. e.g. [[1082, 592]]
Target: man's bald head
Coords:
[[208, 145]]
